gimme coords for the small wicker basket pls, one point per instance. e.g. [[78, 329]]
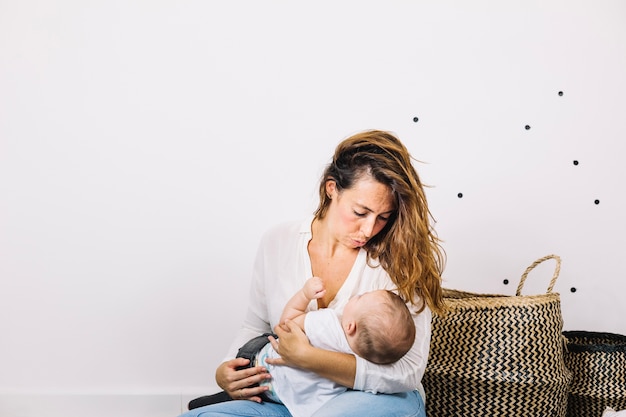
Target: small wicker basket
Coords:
[[598, 365]]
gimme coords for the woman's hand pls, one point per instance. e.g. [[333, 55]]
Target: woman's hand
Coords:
[[295, 350], [292, 346], [238, 384]]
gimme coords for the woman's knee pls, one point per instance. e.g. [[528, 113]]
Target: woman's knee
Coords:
[[240, 408], [357, 403]]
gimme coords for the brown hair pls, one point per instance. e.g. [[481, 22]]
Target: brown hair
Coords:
[[387, 332], [407, 247]]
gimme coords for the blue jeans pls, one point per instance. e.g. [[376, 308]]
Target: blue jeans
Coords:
[[348, 404]]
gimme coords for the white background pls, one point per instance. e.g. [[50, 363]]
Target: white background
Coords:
[[146, 145]]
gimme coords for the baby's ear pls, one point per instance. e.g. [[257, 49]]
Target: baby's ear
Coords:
[[350, 328]]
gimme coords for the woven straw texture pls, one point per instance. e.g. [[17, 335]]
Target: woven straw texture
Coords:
[[497, 355], [598, 365]]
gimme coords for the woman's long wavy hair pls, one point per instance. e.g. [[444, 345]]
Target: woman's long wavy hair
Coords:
[[407, 247]]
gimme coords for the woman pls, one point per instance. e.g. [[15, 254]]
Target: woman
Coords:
[[370, 231]]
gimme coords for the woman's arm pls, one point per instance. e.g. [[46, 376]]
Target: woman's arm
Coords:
[[353, 371], [239, 383], [336, 366]]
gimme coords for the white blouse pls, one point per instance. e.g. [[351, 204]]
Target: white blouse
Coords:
[[283, 265]]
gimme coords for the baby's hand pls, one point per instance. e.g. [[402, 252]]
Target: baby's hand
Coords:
[[314, 288]]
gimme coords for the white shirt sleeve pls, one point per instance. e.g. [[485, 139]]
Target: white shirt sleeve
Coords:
[[277, 275], [256, 321]]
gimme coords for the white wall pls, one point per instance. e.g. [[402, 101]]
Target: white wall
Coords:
[[146, 145]]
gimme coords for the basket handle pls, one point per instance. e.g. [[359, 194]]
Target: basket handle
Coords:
[[557, 270]]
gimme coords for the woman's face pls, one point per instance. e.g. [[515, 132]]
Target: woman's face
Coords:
[[357, 214]]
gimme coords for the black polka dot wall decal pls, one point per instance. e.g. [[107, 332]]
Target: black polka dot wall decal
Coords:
[[596, 202], [415, 119], [505, 282], [575, 162], [527, 127], [460, 195], [561, 93], [573, 289]]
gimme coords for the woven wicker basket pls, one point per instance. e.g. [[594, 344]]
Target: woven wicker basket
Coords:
[[598, 365], [497, 355]]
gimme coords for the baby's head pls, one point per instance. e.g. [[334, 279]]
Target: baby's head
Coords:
[[379, 326]]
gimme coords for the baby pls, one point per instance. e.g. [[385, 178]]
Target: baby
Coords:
[[376, 326]]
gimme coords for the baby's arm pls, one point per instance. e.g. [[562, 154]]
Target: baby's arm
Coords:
[[296, 306]]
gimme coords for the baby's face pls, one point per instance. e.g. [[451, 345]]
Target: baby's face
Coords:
[[362, 304]]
